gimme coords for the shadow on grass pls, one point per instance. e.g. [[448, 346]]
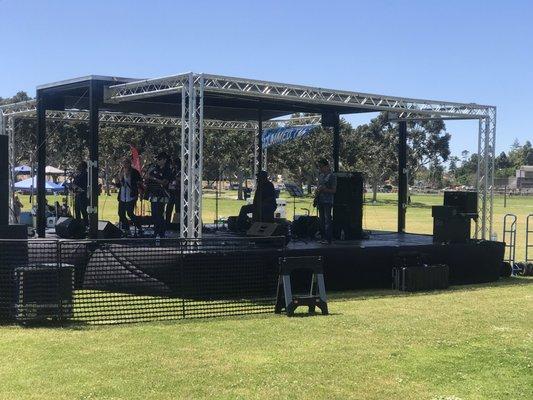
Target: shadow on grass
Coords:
[[366, 294]]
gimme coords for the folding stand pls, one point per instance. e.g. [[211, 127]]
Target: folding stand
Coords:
[[284, 297]]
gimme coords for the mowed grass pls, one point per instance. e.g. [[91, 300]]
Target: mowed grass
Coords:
[[379, 216], [471, 342]]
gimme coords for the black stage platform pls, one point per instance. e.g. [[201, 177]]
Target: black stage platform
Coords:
[[348, 265]]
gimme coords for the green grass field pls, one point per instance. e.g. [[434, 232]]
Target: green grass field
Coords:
[[471, 342], [379, 216]]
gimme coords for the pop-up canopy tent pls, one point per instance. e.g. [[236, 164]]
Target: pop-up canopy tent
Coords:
[[31, 183]]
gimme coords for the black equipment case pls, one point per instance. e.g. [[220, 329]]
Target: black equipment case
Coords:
[[417, 278]]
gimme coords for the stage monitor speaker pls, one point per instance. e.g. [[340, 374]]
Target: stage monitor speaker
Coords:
[[348, 206], [4, 180], [262, 229], [107, 230], [70, 228], [465, 202]]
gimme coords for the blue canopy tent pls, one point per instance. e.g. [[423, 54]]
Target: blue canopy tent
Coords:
[[31, 183]]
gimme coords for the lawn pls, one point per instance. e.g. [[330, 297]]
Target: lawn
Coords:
[[471, 342], [379, 216]]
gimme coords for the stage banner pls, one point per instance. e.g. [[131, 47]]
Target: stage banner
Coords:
[[273, 136]]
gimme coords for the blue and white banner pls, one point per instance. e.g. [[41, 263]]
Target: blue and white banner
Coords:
[[272, 136]]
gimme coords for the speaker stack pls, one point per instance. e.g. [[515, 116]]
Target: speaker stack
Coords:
[[452, 221], [348, 206]]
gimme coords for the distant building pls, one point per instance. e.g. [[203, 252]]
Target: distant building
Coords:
[[522, 182]]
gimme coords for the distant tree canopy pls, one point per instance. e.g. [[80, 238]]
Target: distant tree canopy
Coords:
[[370, 148]]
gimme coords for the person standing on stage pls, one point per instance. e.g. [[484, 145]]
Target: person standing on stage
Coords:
[[325, 193], [158, 178], [175, 191], [79, 187], [128, 183]]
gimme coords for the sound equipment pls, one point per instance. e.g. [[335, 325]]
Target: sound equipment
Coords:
[[13, 253], [70, 228], [44, 292], [454, 229], [4, 180], [235, 226], [465, 202], [443, 212], [329, 119], [270, 229], [262, 229], [348, 206], [107, 230], [305, 226], [428, 277]]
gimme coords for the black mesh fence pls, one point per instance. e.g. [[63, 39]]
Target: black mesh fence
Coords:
[[115, 281]]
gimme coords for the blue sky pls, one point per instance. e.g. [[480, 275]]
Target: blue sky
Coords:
[[470, 51]]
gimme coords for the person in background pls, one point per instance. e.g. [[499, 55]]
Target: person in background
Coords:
[[264, 203], [158, 179], [175, 191], [79, 187], [17, 208], [128, 182], [325, 193]]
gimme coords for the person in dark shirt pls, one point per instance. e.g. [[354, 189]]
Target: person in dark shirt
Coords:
[[158, 178], [128, 183], [175, 191], [264, 204], [79, 187]]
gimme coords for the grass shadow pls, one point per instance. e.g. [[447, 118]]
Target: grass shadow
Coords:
[[367, 294]]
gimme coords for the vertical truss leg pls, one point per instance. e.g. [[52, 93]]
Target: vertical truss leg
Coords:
[[8, 127], [192, 128], [485, 174]]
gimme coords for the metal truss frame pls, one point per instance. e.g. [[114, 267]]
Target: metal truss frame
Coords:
[[485, 162], [193, 86]]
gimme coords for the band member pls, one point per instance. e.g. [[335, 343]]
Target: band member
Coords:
[[128, 183], [264, 204], [175, 191], [158, 178], [79, 187], [325, 193]]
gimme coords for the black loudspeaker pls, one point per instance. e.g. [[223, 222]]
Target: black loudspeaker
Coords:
[[348, 206], [329, 119], [305, 226], [453, 229], [464, 202], [13, 254], [70, 228], [4, 180], [106, 230]]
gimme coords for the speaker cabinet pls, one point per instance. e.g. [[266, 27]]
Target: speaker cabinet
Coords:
[[107, 230], [454, 230], [4, 180], [348, 206], [464, 202], [70, 228]]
